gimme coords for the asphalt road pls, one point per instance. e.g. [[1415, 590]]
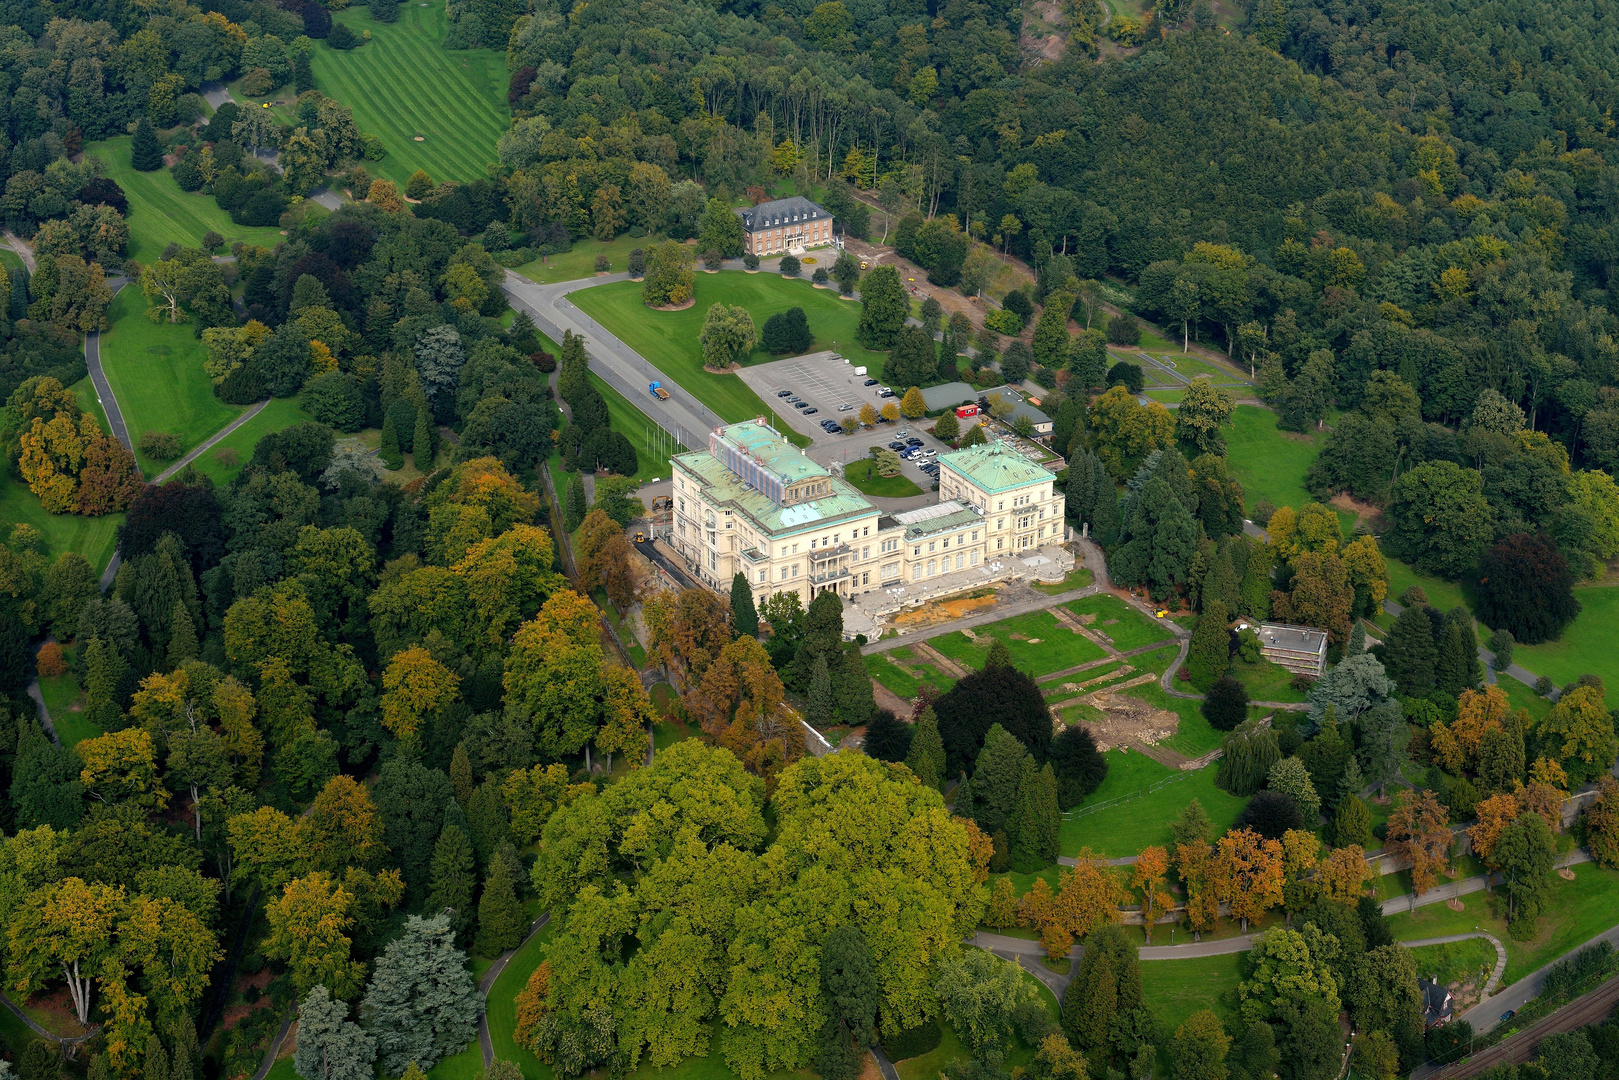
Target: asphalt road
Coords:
[[624, 369]]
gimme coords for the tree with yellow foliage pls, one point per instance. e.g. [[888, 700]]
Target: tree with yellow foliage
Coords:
[[309, 929], [1194, 863], [1148, 875], [415, 687], [1457, 744], [122, 765], [1344, 873]]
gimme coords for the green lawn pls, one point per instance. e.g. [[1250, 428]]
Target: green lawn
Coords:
[[862, 475], [160, 213], [282, 1069], [1175, 989], [1457, 960], [1442, 594], [1124, 625], [1192, 367], [669, 338], [92, 537], [1166, 397], [1579, 910], [65, 703], [404, 83], [1039, 644], [1128, 827], [653, 446], [900, 671], [10, 260], [580, 262], [1586, 646], [279, 413], [502, 1007], [1269, 463], [155, 370], [1076, 579], [467, 1065], [1267, 681]]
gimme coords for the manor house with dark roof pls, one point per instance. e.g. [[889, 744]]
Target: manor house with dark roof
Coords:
[[785, 227]]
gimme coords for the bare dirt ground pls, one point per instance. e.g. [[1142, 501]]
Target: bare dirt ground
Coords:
[[1042, 39], [1366, 513], [940, 611]]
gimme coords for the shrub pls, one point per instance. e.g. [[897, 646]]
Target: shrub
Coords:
[[1226, 705], [712, 259], [1414, 597], [637, 232], [227, 457], [1263, 512], [603, 264], [1127, 375], [384, 11], [1501, 644], [751, 261], [212, 241], [637, 264], [1122, 329], [1270, 814], [374, 150], [341, 37], [1544, 686], [543, 360], [161, 445], [50, 662], [820, 277], [1004, 322], [1017, 302], [790, 266]]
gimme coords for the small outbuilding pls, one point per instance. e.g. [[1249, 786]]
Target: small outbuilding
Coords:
[[1300, 649]]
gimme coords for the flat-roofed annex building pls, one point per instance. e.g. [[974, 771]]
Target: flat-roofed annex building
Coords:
[[753, 503]]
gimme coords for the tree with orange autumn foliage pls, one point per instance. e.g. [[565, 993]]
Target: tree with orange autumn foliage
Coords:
[[1195, 865], [1248, 874], [1087, 896], [414, 687], [1419, 834], [1344, 873], [1478, 712], [531, 1004], [740, 702], [1151, 867], [1493, 816], [50, 663]]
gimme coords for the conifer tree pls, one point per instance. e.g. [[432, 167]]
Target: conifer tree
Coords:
[[500, 916], [487, 822], [999, 654], [1409, 655], [182, 637], [1211, 646], [1256, 584], [452, 880], [145, 155], [392, 459], [183, 1064], [1023, 825], [1353, 823], [819, 712], [155, 1065], [461, 774], [1458, 667], [421, 440], [104, 670], [574, 511], [330, 1045], [744, 616], [421, 1004], [926, 756], [303, 76]]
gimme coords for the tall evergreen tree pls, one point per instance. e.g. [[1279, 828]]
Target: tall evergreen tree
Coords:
[[182, 637], [1210, 655], [850, 996], [104, 671], [1458, 667], [744, 616], [1410, 656], [820, 707], [453, 881], [500, 916], [926, 755], [421, 440], [330, 1045], [155, 1063], [998, 781], [1039, 820], [573, 513], [303, 76], [392, 458], [145, 155], [421, 1004]]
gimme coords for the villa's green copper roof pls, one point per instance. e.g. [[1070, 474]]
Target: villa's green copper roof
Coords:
[[994, 467]]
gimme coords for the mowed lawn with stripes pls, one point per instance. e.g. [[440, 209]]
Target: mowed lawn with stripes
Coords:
[[404, 83]]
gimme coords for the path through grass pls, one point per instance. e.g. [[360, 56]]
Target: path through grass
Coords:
[[160, 213], [1037, 642], [279, 413], [404, 83], [155, 370]]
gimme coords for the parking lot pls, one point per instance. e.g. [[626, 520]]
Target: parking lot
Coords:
[[825, 383]]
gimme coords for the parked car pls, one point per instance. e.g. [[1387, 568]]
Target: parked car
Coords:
[[811, 411], [871, 382], [784, 393], [913, 440], [896, 445], [845, 407], [885, 392]]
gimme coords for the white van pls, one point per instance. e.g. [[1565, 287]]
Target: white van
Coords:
[[858, 370]]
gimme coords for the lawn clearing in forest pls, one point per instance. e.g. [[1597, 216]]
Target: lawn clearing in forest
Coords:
[[404, 83], [1124, 828], [92, 537], [1268, 462], [1587, 646], [1175, 989], [1126, 627], [160, 213], [155, 371], [580, 260]]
